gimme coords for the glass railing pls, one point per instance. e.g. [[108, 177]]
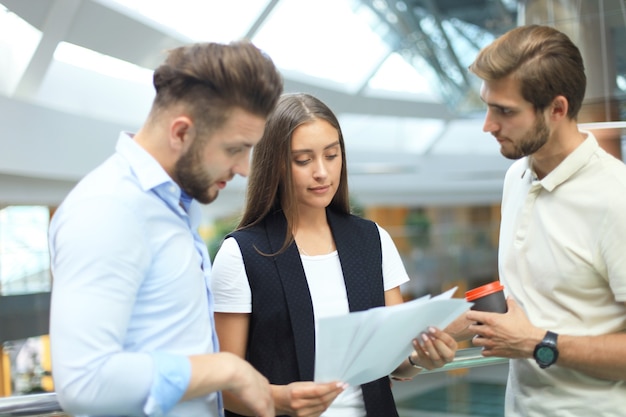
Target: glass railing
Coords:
[[470, 386], [467, 358], [46, 404]]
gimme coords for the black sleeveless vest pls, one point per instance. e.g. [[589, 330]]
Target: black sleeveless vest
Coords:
[[281, 340]]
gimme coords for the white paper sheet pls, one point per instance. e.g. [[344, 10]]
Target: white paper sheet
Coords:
[[363, 346]]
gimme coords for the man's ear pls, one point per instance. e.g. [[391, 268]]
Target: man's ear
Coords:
[[182, 132], [559, 108]]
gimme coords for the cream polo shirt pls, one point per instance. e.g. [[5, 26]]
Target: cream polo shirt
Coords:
[[562, 256]]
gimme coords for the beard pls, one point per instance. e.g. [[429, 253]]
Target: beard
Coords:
[[192, 177], [531, 142]]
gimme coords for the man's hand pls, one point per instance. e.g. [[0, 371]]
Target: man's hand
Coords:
[[229, 373], [508, 335], [306, 399], [254, 391]]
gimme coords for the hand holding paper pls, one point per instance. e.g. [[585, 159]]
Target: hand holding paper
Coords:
[[363, 346]]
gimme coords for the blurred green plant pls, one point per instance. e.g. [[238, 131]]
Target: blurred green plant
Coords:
[[418, 228], [356, 208], [221, 227]]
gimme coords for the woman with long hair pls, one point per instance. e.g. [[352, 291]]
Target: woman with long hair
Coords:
[[298, 255]]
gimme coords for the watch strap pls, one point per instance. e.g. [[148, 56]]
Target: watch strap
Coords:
[[550, 338]]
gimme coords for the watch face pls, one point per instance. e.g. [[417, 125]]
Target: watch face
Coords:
[[545, 355]]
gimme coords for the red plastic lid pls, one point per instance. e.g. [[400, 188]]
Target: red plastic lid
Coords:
[[484, 290]]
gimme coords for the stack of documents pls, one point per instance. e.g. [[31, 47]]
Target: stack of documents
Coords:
[[363, 346]]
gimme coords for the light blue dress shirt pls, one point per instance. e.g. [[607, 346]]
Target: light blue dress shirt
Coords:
[[130, 296]]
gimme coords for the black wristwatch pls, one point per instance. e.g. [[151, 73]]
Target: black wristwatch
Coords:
[[546, 352]]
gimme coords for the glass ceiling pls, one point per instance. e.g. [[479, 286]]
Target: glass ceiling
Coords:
[[336, 43], [347, 46], [415, 49], [349, 54], [394, 71]]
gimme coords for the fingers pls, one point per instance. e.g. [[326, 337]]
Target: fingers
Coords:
[[478, 316], [439, 336], [310, 399], [489, 347], [435, 348], [313, 390]]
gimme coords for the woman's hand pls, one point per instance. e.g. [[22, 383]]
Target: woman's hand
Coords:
[[433, 349]]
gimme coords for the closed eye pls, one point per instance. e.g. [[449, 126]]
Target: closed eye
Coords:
[[236, 150]]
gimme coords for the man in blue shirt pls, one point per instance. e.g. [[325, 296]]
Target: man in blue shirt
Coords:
[[131, 327]]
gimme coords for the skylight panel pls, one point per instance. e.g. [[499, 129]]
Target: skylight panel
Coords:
[[323, 40], [397, 75], [18, 42], [103, 64], [102, 87], [200, 20]]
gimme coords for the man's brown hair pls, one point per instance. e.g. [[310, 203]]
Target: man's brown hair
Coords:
[[210, 79], [544, 60]]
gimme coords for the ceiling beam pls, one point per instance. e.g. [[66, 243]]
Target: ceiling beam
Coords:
[[261, 19], [54, 29]]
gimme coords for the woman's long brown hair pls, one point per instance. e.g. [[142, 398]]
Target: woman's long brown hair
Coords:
[[270, 185]]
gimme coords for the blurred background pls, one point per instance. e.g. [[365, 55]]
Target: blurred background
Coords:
[[74, 73]]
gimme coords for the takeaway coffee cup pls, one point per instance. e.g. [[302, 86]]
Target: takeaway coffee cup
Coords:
[[489, 297]]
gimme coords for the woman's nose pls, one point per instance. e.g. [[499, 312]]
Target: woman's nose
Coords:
[[320, 169]]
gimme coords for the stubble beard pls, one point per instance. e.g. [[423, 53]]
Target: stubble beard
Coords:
[[531, 143], [192, 177]]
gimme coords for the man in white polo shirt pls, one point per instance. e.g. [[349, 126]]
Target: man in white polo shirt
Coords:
[[562, 255]]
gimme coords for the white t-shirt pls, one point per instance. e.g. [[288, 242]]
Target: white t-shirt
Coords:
[[231, 290], [562, 256]]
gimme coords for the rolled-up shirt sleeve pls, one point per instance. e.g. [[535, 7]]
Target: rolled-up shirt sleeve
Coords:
[[171, 379]]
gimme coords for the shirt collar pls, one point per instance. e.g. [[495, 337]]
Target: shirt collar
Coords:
[[571, 164], [150, 174]]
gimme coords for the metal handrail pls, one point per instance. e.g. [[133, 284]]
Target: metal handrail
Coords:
[[47, 404], [31, 405]]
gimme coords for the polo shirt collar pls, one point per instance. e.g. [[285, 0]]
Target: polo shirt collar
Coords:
[[571, 164]]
